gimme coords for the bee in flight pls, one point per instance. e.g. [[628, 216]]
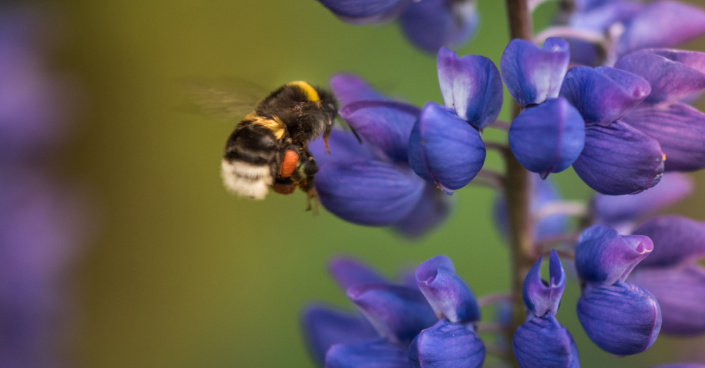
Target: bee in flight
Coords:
[[269, 147]]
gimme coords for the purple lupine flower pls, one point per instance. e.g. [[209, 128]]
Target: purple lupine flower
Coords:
[[672, 274], [617, 158], [397, 314], [619, 317], [445, 147], [371, 183], [674, 75], [549, 137], [40, 225], [452, 341], [661, 24], [541, 341], [325, 326], [428, 24], [36, 105], [633, 25]]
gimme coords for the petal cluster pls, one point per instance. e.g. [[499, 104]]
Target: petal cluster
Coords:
[[370, 182], [445, 147], [403, 326], [674, 75], [541, 341], [548, 136], [633, 25], [452, 341], [616, 158], [619, 317]]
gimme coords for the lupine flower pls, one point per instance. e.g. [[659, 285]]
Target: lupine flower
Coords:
[[445, 147], [397, 314], [617, 158], [452, 341], [428, 24], [619, 317], [634, 25], [549, 137], [541, 341], [674, 75], [371, 183], [39, 219], [672, 274]]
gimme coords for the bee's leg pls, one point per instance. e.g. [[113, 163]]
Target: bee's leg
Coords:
[[309, 168], [326, 134]]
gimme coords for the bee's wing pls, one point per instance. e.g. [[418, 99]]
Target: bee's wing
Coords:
[[222, 99]]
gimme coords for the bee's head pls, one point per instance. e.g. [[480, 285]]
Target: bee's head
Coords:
[[329, 105]]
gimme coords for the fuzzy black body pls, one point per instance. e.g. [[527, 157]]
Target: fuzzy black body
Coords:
[[288, 119]]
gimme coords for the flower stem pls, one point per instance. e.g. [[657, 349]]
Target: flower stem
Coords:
[[517, 192]]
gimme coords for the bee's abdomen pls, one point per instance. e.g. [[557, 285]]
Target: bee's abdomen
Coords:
[[250, 157]]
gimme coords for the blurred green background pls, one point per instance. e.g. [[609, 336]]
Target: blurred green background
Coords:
[[182, 274]]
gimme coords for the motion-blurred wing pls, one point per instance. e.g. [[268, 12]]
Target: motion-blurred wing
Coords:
[[222, 99]]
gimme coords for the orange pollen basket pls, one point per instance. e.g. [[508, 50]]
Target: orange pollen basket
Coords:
[[291, 159]]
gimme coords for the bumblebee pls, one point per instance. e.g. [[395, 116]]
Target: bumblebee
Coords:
[[269, 147]]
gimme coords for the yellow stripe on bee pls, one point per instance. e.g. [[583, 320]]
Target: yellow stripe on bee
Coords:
[[275, 124], [311, 93]]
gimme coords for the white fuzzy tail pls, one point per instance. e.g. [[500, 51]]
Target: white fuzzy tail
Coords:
[[246, 179]]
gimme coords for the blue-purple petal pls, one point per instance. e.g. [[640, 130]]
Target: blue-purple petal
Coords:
[[662, 24], [398, 313], [672, 188], [368, 191], [446, 345], [444, 149], [471, 85], [324, 327], [430, 212], [603, 94], [602, 256], [677, 240], [432, 24], [349, 272], [541, 297], [548, 138], [621, 319], [384, 124], [343, 146], [678, 128], [373, 354], [349, 88], [534, 74], [680, 293], [365, 11], [541, 342], [447, 293], [619, 159], [672, 74]]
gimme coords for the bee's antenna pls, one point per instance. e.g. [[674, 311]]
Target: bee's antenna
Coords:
[[356, 135]]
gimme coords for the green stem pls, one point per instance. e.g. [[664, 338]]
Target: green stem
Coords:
[[517, 192]]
